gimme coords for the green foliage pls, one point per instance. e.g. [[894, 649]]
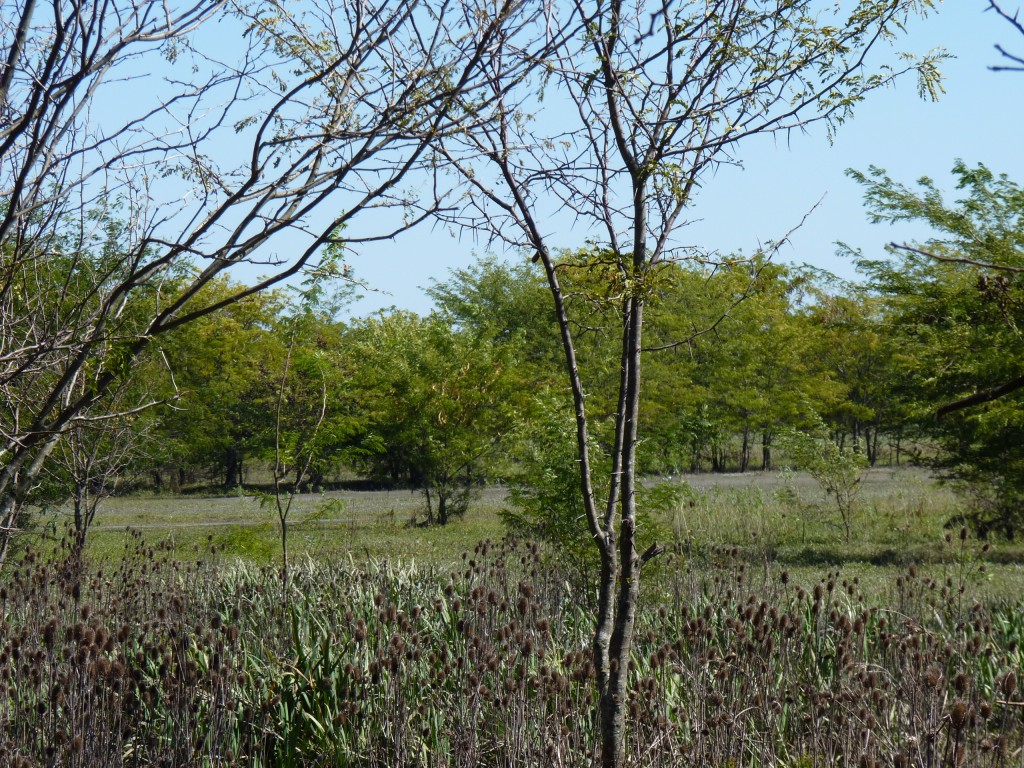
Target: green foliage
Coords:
[[315, 418], [733, 356], [57, 309], [224, 367], [438, 400], [311, 691], [546, 499], [953, 309], [506, 303], [861, 357], [228, 370], [544, 488], [251, 542], [734, 353]]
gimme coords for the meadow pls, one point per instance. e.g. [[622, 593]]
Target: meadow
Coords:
[[772, 517], [763, 640]]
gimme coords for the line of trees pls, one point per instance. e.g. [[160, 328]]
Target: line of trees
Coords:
[[446, 402], [139, 164], [905, 366]]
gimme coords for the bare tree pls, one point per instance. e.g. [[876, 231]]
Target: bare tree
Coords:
[[1016, 60], [620, 130], [297, 449], [140, 158], [106, 442]]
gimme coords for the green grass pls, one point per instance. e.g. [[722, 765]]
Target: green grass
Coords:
[[365, 525], [772, 518], [901, 518]]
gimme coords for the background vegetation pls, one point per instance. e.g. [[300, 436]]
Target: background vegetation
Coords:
[[473, 393]]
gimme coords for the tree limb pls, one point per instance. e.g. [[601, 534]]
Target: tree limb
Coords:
[[981, 397], [958, 259]]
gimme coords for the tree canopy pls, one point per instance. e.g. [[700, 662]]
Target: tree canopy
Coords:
[[953, 307]]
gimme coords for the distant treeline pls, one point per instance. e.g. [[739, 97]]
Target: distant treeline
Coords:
[[916, 362], [736, 352]]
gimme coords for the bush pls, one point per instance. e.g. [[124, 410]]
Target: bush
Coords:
[[547, 500], [838, 471]]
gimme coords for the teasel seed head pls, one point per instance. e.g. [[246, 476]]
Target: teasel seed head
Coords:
[[958, 715], [1009, 684]]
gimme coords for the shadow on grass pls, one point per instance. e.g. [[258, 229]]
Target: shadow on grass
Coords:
[[213, 490], [887, 557]]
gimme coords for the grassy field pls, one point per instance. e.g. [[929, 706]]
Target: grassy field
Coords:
[[364, 525], [776, 520], [902, 516]]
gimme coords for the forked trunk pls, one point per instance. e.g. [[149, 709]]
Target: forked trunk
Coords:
[[620, 564]]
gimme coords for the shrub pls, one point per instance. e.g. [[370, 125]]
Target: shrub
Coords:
[[838, 471]]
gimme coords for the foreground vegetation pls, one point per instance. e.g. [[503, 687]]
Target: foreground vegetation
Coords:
[[154, 661]]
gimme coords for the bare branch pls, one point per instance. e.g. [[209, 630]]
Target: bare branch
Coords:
[[958, 259], [1013, 19], [115, 222], [771, 251]]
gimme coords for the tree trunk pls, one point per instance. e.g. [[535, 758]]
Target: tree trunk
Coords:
[[766, 451], [8, 525], [442, 508], [745, 451], [873, 445], [17, 478], [177, 479], [231, 467], [283, 507], [430, 505], [80, 504], [615, 695]]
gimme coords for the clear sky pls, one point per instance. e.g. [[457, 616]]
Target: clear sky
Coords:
[[979, 119]]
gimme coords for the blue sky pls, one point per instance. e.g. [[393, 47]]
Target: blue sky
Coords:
[[979, 119]]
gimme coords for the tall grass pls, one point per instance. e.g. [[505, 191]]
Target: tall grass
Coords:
[[487, 664]]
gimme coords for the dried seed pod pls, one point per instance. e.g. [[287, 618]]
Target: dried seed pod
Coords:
[[960, 683], [958, 715], [1009, 684]]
